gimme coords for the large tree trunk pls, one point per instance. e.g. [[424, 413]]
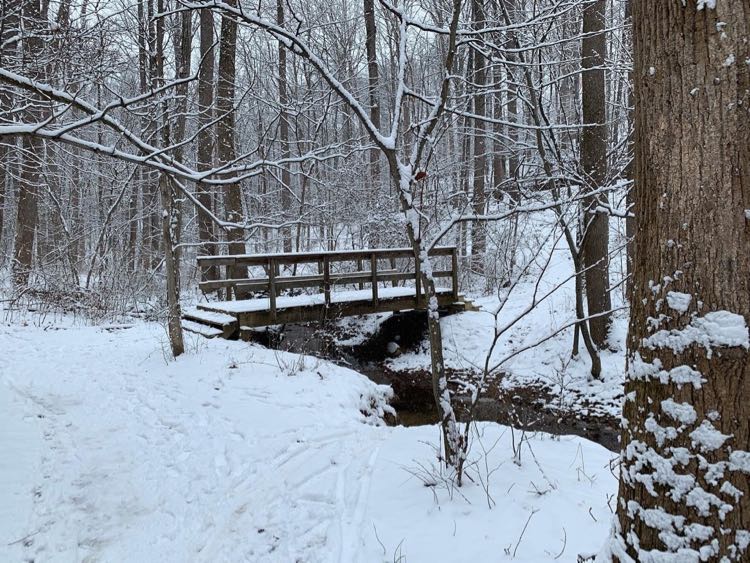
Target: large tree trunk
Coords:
[[9, 18], [205, 156], [685, 475], [225, 132], [29, 183], [628, 171], [286, 178], [595, 246], [478, 233]]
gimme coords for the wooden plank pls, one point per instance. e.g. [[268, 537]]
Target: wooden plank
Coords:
[[312, 257], [218, 320], [284, 282], [320, 312], [203, 330]]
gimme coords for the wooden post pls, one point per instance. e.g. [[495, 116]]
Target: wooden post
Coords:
[[272, 286], [327, 280], [276, 269], [417, 281], [454, 272], [359, 269], [374, 271]]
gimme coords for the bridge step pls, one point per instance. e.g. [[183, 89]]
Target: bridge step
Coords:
[[212, 318], [203, 330], [226, 325], [468, 304]]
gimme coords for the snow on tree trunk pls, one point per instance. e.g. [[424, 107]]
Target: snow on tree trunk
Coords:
[[685, 476]]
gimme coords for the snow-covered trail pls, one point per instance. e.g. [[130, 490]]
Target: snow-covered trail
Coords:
[[237, 453], [149, 461]]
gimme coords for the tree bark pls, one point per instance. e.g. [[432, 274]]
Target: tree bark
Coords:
[[30, 174], [204, 139], [685, 475], [286, 178], [171, 212], [9, 19], [628, 171], [225, 133], [478, 233], [595, 237], [372, 82]]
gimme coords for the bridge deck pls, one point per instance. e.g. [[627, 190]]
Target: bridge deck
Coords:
[[253, 313]]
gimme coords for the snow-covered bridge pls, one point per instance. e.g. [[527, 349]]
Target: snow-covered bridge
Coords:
[[280, 294]]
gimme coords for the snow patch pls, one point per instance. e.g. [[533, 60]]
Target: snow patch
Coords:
[[717, 328], [684, 413], [707, 437], [678, 301]]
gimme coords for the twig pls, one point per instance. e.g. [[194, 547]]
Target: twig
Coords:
[[534, 511], [565, 543]]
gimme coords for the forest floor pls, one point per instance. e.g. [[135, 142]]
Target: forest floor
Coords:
[[234, 452]]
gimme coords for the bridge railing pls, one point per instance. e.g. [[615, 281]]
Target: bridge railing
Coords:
[[327, 275]]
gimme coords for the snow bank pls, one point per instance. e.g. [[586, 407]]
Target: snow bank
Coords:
[[238, 453]]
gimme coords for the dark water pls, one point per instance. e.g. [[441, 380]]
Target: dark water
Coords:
[[524, 408]]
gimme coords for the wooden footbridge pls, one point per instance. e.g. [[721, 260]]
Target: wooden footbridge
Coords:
[[281, 292]]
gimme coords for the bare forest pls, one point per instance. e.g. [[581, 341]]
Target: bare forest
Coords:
[[375, 280]]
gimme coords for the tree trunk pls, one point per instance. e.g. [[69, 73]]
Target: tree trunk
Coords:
[[171, 238], [225, 132], [205, 142], [628, 171], [595, 246], [685, 474], [29, 183], [478, 233], [171, 213], [372, 84], [9, 29], [498, 146], [286, 179]]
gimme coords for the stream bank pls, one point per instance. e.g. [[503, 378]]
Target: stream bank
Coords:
[[531, 408]]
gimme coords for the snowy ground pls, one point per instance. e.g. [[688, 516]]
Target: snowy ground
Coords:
[[237, 453]]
